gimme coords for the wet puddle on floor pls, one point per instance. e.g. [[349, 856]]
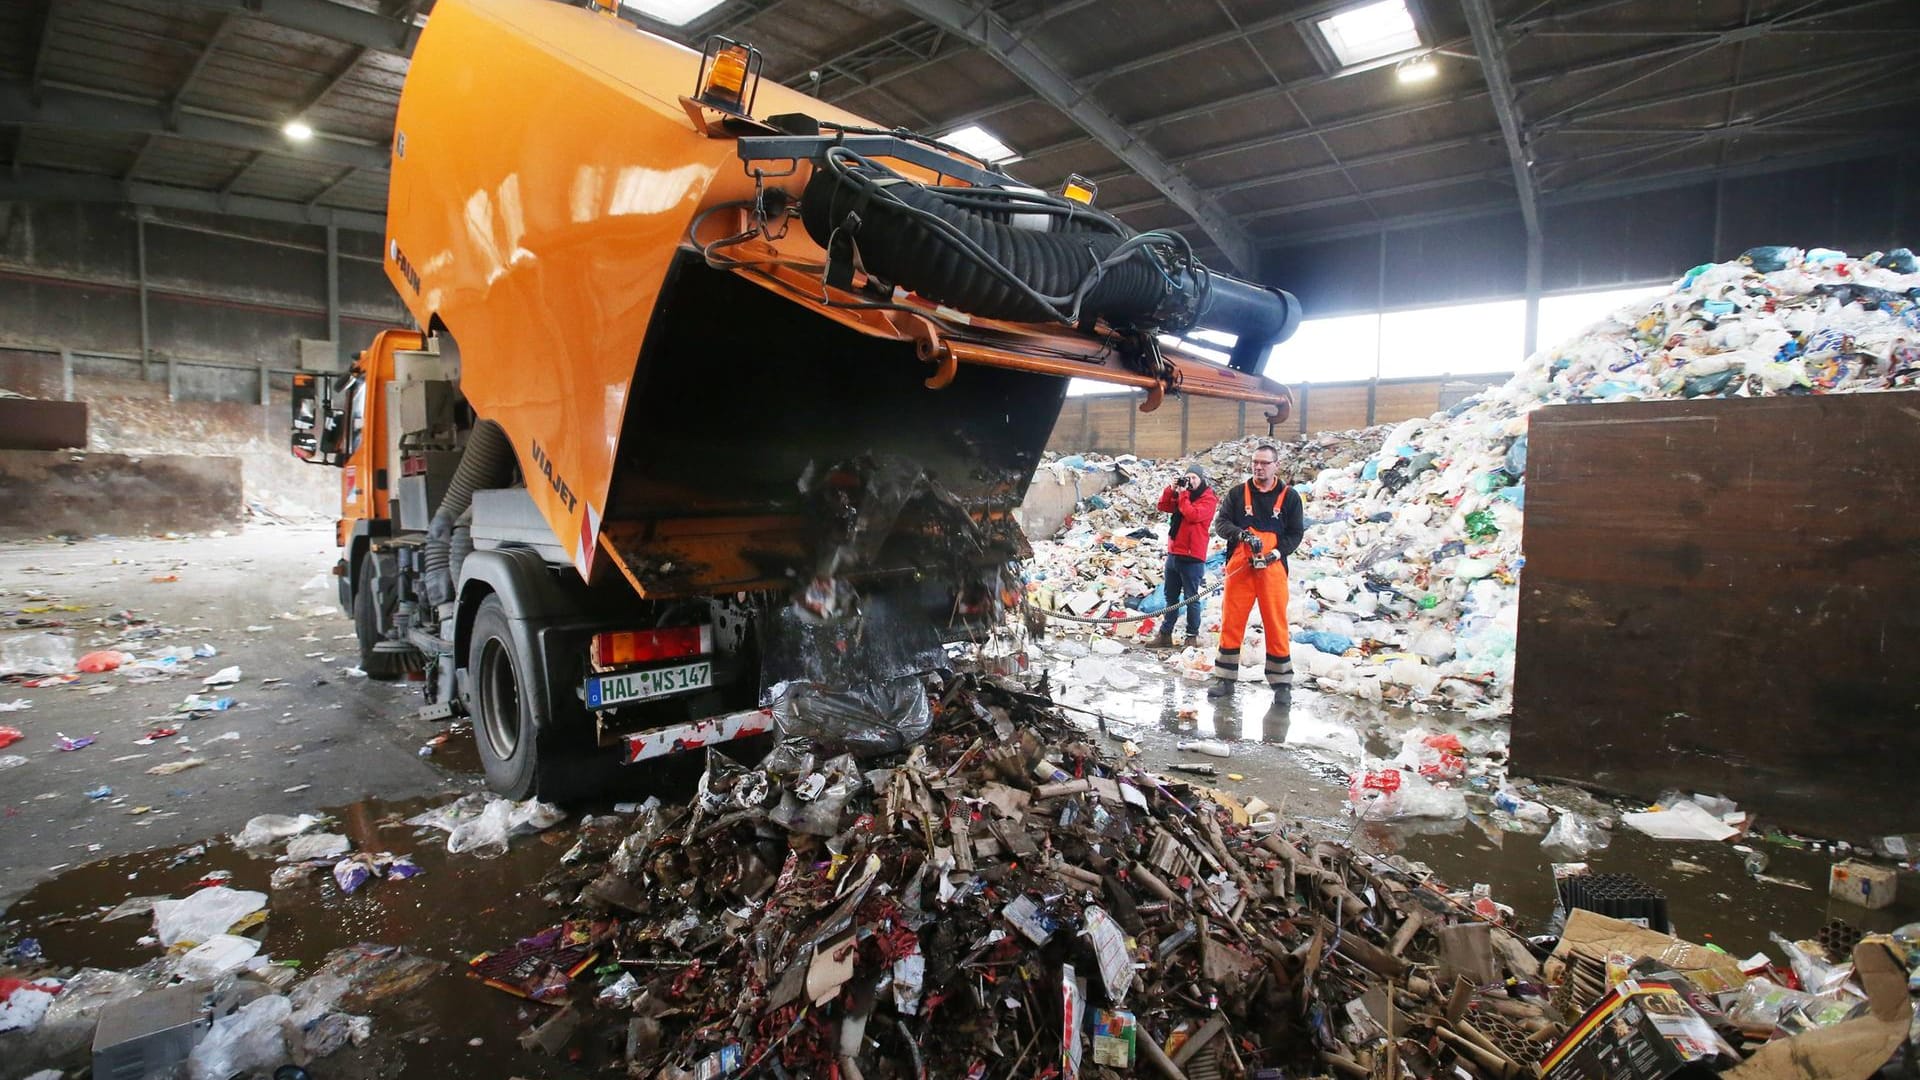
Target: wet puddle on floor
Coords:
[[1306, 763], [460, 905]]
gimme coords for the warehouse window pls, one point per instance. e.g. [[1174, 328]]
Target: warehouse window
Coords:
[[671, 12], [1328, 350], [1370, 32], [982, 144], [1453, 340], [1563, 318]]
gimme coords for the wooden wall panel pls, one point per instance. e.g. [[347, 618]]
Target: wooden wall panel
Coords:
[[1721, 596]]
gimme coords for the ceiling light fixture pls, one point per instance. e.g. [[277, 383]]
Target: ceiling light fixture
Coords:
[[1369, 31], [1417, 69], [297, 130], [671, 12], [982, 144]]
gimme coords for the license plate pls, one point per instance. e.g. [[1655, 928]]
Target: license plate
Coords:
[[607, 690]]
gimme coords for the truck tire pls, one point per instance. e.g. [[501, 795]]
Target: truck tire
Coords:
[[366, 627], [503, 723]]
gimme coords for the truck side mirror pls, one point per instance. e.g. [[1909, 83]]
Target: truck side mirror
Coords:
[[317, 427]]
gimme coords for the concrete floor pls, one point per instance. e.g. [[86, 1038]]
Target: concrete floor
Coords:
[[350, 746], [334, 737]]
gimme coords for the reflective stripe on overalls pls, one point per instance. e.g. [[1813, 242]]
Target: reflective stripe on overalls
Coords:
[[1248, 585]]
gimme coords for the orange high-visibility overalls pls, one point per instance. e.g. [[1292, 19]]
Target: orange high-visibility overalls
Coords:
[[1247, 585]]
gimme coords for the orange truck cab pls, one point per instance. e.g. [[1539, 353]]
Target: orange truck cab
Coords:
[[723, 397]]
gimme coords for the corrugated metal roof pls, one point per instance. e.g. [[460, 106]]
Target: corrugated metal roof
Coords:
[[1237, 95]]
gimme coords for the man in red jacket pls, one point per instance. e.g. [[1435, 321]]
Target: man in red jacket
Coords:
[[1191, 502]]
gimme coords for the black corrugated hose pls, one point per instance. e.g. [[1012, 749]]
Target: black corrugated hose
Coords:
[[958, 246], [482, 464]]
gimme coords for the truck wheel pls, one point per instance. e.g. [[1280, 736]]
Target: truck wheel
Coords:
[[366, 627], [502, 715]]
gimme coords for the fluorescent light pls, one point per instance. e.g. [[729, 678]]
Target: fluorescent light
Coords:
[[297, 130], [1417, 69], [1369, 32], [671, 12], [981, 143]]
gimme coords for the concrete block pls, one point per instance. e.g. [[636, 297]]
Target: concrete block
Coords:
[[62, 492]]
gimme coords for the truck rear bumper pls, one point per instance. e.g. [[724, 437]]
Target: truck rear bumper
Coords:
[[677, 738]]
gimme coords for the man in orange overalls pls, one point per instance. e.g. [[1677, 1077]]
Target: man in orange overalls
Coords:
[[1262, 521]]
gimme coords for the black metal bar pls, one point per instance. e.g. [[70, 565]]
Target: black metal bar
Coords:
[[815, 147]]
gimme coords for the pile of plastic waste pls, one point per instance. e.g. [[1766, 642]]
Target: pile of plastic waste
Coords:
[[1406, 588]]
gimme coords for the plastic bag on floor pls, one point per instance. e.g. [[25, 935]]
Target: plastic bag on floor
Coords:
[[267, 828], [248, 1039], [1384, 793], [486, 836], [204, 915], [462, 821], [216, 956], [36, 654], [878, 718], [1436, 755], [1576, 834]]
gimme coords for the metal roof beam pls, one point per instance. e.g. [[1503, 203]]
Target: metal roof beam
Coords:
[[352, 65], [355, 26], [1798, 75], [1488, 176], [1385, 157], [38, 75], [331, 186], [199, 64], [879, 51], [991, 33], [73, 109], [1493, 64], [48, 185], [1578, 194]]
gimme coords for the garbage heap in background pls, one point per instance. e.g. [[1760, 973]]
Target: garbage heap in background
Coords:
[[1406, 588]]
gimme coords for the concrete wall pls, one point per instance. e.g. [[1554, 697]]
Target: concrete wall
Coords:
[[1114, 424], [219, 413], [219, 290], [60, 492], [227, 302]]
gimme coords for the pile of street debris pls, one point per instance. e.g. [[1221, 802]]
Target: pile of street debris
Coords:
[[1406, 588], [1008, 898]]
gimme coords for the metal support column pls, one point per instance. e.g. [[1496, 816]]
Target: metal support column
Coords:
[[1306, 390], [265, 384], [333, 301], [140, 269], [1133, 425], [66, 375], [1534, 272], [1186, 413], [1719, 219]]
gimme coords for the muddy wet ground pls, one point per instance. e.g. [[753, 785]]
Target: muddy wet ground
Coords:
[[355, 743]]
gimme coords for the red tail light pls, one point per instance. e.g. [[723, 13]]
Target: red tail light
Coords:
[[642, 646]]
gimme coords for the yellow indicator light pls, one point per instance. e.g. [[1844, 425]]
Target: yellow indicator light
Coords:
[[1079, 189], [729, 76]]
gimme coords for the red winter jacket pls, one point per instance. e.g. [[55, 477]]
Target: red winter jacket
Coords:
[[1192, 520]]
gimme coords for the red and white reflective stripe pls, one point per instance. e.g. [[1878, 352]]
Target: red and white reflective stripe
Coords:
[[679, 738]]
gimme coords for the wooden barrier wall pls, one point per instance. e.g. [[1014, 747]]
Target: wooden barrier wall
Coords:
[[1720, 596], [1114, 424]]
